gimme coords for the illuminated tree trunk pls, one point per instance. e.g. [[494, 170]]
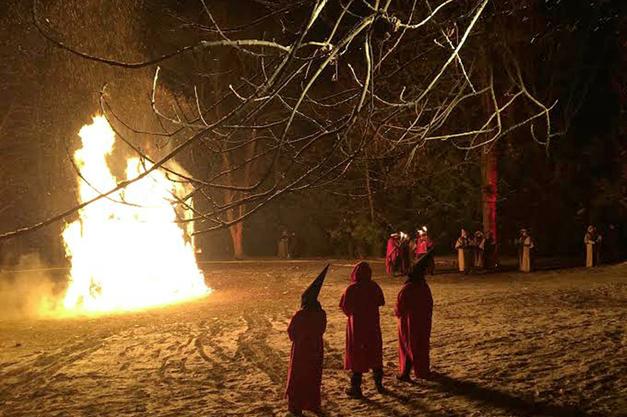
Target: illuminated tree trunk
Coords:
[[230, 159], [237, 237], [369, 190], [489, 166], [489, 190], [236, 230], [244, 177]]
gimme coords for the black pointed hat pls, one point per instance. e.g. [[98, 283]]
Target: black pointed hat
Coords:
[[311, 293], [421, 264]]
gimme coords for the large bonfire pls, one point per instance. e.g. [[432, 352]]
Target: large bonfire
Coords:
[[131, 250]]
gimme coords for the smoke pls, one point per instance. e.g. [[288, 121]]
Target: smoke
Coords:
[[28, 290]]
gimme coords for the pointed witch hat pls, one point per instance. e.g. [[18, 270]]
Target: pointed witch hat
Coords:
[[311, 293], [421, 264]]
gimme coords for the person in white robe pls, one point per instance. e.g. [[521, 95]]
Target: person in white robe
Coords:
[[592, 240], [282, 246], [525, 251], [462, 245]]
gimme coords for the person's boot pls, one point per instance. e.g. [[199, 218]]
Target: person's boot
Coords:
[[404, 376], [378, 380], [355, 390]]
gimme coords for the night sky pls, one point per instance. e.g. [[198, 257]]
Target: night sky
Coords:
[[370, 175]]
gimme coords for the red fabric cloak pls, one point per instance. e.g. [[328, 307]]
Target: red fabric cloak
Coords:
[[414, 307], [360, 302], [391, 254], [423, 245], [304, 376]]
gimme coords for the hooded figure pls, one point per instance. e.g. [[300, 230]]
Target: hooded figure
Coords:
[[423, 242], [283, 245], [364, 347], [463, 247], [592, 240], [304, 376], [404, 260], [392, 253], [480, 244], [490, 252], [525, 251], [414, 307]]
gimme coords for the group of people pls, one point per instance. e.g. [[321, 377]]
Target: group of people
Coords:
[[401, 251], [286, 246], [360, 302], [592, 240], [475, 251]]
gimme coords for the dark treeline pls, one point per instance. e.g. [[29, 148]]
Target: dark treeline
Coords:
[[569, 53]]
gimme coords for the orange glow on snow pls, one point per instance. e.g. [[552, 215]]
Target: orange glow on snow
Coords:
[[127, 256]]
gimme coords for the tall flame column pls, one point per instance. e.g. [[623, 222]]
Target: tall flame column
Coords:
[[127, 251]]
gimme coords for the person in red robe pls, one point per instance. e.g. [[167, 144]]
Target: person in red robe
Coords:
[[404, 254], [424, 244], [304, 376], [414, 307], [392, 253], [364, 346]]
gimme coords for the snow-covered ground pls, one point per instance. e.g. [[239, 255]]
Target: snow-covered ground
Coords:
[[550, 343]]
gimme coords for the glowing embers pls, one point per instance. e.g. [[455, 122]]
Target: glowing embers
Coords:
[[127, 251]]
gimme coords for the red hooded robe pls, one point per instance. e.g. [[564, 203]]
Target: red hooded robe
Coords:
[[414, 308], [304, 376], [360, 302], [391, 254], [423, 245]]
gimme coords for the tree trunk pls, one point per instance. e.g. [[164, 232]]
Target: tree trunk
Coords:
[[489, 167], [369, 190], [237, 237], [230, 159], [237, 230], [489, 190]]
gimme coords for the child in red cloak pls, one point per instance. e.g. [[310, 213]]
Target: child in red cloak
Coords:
[[305, 330], [414, 307], [364, 347]]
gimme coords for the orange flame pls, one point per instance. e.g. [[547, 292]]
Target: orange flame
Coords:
[[127, 251]]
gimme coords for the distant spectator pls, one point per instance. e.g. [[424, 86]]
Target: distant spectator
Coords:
[[490, 252], [612, 243], [292, 245], [592, 240], [424, 244], [404, 261], [525, 251], [283, 245], [464, 250], [392, 253], [479, 250]]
